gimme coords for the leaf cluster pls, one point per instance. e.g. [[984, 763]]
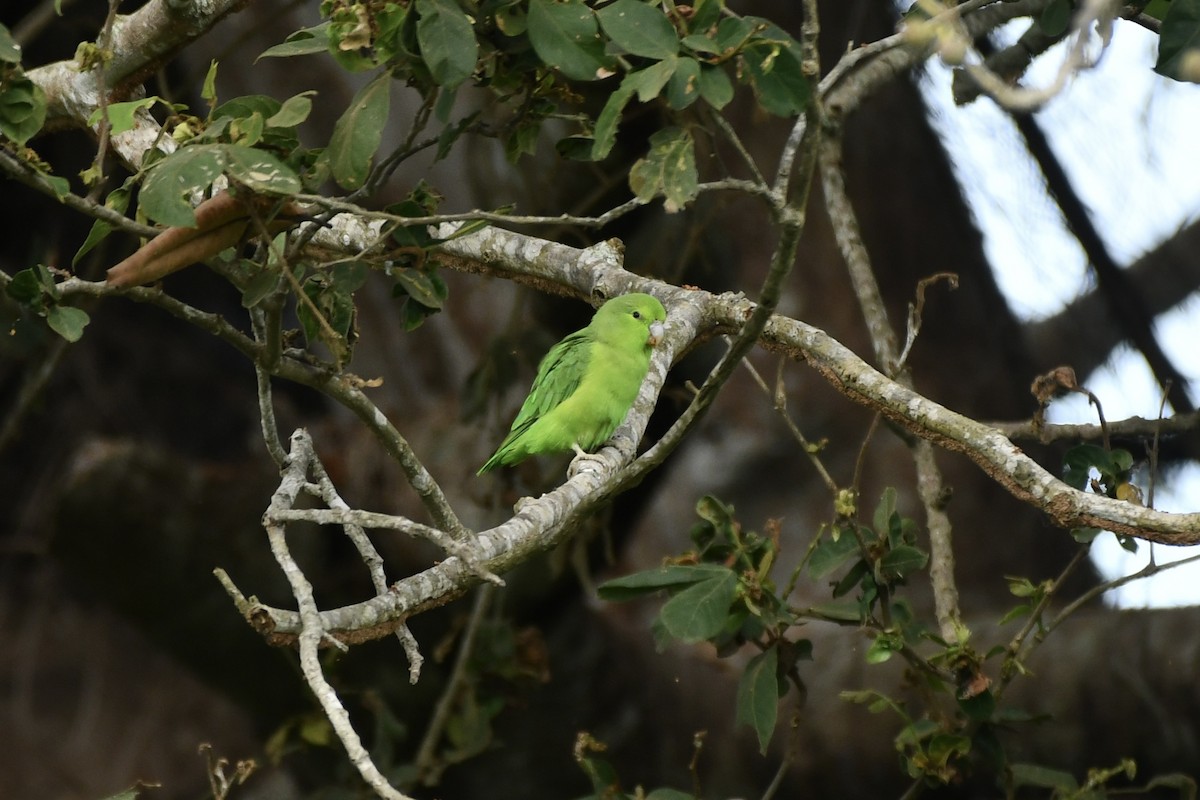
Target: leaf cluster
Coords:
[[22, 102], [721, 592], [1105, 471], [36, 293]]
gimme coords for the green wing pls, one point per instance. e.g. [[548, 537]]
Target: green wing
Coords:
[[558, 377]]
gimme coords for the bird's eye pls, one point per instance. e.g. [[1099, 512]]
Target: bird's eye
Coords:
[[637, 315]]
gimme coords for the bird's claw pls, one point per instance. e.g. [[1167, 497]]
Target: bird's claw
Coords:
[[584, 462]]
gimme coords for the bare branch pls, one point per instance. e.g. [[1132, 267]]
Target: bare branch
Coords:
[[312, 633]]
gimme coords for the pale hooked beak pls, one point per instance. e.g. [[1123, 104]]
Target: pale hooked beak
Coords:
[[657, 329]]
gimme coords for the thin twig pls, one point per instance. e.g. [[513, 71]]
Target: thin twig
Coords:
[[328, 494], [424, 762], [312, 633], [780, 406], [266, 414], [358, 518], [21, 171], [930, 485]]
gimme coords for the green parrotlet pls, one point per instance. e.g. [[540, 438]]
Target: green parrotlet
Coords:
[[586, 383]]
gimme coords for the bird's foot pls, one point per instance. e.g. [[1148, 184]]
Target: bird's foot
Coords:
[[583, 462]]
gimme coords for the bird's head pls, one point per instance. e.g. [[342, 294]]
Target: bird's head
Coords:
[[631, 314]]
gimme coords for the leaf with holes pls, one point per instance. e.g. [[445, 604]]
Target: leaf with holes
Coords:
[[668, 169], [259, 170], [172, 181]]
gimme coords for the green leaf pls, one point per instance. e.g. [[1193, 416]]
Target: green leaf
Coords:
[[187, 171], [451, 133], [173, 181], [831, 553], [128, 794], [420, 286], [412, 313], [1016, 612], [26, 286], [565, 36], [447, 41], [715, 86], [293, 111], [1127, 543], [411, 235], [881, 649], [67, 321], [882, 516], [698, 43], [357, 134], [512, 20], [733, 32], [916, 732], [121, 115], [1179, 39], [259, 170], [639, 29], [1078, 462], [248, 106], [758, 696], [684, 88], [649, 81], [10, 51], [301, 43], [1055, 18], [859, 574], [944, 746], [208, 89], [838, 612], [900, 561], [1113, 465], [60, 185], [1042, 777], [1184, 784], [575, 148], [718, 515], [1157, 9], [665, 793], [1023, 587], [610, 117], [348, 277], [980, 707], [263, 283], [248, 131], [118, 200], [699, 612], [653, 580], [705, 14], [522, 140], [337, 311], [775, 75], [668, 169], [22, 110]]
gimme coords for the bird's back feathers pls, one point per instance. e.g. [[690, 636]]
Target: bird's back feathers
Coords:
[[586, 383]]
